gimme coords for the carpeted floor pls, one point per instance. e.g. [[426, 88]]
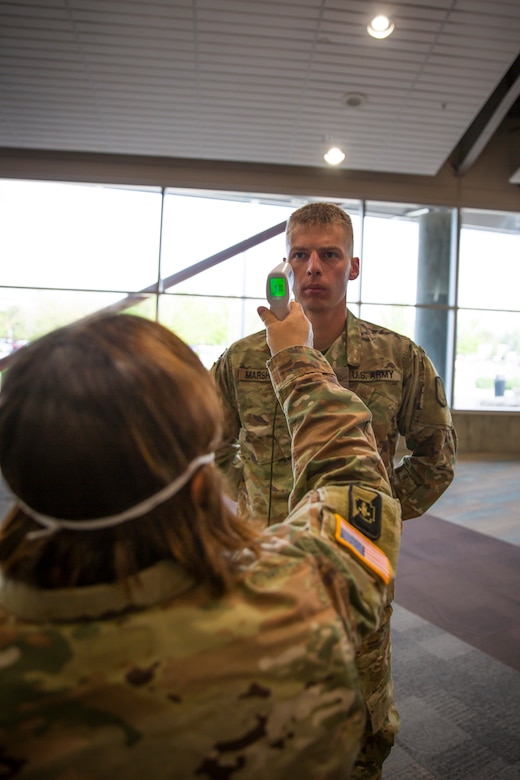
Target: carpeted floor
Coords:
[[459, 707], [462, 581], [456, 631]]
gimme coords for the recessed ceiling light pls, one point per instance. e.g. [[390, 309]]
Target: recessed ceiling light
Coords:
[[355, 99], [334, 156], [380, 27]]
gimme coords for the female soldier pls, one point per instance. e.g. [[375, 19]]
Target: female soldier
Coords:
[[145, 630]]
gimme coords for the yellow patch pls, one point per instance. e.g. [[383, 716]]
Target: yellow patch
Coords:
[[363, 549]]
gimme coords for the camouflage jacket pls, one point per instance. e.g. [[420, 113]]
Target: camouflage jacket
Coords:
[[391, 374], [154, 677]]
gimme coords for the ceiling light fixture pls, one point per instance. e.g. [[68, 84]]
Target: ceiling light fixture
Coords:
[[334, 156], [380, 27], [355, 99]]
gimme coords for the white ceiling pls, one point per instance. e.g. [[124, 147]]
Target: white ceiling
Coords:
[[252, 80]]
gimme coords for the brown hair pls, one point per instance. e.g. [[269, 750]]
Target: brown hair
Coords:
[[94, 418], [320, 214]]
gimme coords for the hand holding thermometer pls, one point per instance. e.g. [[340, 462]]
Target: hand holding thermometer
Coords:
[[279, 288]]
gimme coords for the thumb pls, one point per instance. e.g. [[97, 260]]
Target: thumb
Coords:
[[266, 315]]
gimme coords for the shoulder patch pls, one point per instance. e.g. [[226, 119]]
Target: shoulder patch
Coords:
[[363, 549], [365, 511], [439, 392]]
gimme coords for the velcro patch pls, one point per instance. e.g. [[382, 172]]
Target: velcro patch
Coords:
[[253, 375], [363, 549], [365, 511], [439, 392]]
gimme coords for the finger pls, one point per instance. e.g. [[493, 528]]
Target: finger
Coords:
[[266, 315], [295, 306]]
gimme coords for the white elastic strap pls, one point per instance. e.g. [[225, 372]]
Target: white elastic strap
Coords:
[[53, 524]]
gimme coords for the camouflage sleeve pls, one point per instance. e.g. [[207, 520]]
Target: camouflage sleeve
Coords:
[[426, 424], [227, 455], [358, 570], [353, 520]]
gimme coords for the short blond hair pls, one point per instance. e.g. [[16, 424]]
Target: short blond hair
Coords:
[[320, 214]]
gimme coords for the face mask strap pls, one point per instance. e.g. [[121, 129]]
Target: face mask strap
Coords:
[[52, 524]]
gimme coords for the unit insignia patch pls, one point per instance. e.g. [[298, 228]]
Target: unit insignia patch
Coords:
[[365, 511]]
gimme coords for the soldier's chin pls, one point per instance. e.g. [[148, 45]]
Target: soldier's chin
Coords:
[[315, 303]]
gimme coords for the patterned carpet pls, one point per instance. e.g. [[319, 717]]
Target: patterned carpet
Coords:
[[456, 631], [459, 707], [462, 581]]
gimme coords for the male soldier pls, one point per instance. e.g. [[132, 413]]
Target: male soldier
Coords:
[[389, 372]]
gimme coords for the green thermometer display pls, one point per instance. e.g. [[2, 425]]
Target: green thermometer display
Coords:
[[279, 288]]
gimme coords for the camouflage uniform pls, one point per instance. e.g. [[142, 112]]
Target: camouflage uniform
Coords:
[[155, 678], [391, 374], [399, 384]]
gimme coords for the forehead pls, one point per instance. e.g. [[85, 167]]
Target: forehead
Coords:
[[319, 235]]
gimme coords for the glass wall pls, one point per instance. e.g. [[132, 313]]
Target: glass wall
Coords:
[[70, 250], [446, 279], [487, 368], [216, 307]]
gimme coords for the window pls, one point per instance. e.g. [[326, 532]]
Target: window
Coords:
[[487, 367], [69, 250]]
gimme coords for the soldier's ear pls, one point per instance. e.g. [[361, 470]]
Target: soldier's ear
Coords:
[[354, 268]]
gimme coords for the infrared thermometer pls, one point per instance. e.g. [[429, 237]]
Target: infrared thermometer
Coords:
[[279, 288]]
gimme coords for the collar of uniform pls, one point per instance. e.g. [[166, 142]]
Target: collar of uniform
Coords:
[[152, 586], [353, 343], [346, 350]]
